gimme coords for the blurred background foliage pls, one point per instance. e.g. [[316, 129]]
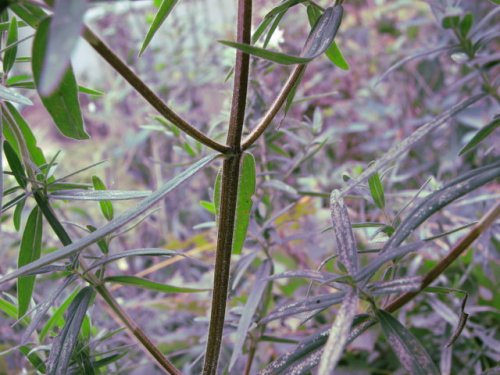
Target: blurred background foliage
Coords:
[[339, 122]]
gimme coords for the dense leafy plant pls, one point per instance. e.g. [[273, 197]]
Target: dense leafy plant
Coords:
[[267, 263]]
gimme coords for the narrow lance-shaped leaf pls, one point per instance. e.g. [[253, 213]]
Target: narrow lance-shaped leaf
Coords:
[[346, 244], [407, 348], [15, 164], [65, 28], [339, 333], [30, 249], [99, 195], [246, 189], [114, 224], [166, 7], [62, 103], [148, 284], [10, 54], [10, 95], [106, 205], [402, 285], [377, 190], [133, 253], [64, 344], [481, 135], [250, 307]]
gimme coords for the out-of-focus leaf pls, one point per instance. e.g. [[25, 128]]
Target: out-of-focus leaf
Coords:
[[106, 205], [30, 249], [272, 29], [65, 28], [323, 32], [114, 224], [33, 358], [344, 237], [89, 91], [307, 274], [29, 13], [8, 308], [337, 57], [10, 54], [62, 103], [64, 344], [11, 95], [466, 24], [339, 333], [402, 285], [43, 307], [209, 206], [144, 283], [250, 308], [407, 348], [134, 253], [246, 189], [15, 164], [377, 190], [166, 7], [481, 135], [304, 305]]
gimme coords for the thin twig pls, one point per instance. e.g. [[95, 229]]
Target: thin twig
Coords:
[[275, 107]]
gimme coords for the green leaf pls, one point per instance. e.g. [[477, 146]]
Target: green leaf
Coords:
[[480, 136], [377, 190], [57, 318], [466, 24], [18, 212], [89, 91], [62, 103], [8, 308], [106, 206], [272, 29], [33, 358], [11, 95], [30, 249], [65, 28], [276, 57], [407, 348], [15, 164], [246, 188], [114, 224], [11, 52], [217, 192], [209, 206], [160, 17], [336, 57], [450, 22], [102, 243], [140, 282], [65, 343]]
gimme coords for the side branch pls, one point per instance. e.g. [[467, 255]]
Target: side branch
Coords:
[[153, 99], [275, 107]]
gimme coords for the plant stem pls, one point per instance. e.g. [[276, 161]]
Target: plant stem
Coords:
[[229, 192], [121, 67], [275, 106]]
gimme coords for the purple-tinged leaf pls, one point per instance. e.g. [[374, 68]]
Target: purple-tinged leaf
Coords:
[[323, 32], [339, 333], [407, 348], [346, 244], [402, 285], [10, 95]]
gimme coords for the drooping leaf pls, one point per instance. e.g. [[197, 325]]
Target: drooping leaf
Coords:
[[8, 94], [106, 205], [344, 237], [148, 284], [337, 57], [10, 53], [246, 189], [166, 7], [377, 190], [114, 224], [481, 135], [323, 32], [65, 28], [339, 333], [65, 343], [249, 311], [30, 249], [62, 104], [407, 348]]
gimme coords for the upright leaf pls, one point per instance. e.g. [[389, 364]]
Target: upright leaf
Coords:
[[64, 344], [481, 135], [246, 188], [166, 7], [65, 28], [339, 333], [106, 205], [62, 103], [15, 164], [377, 190], [30, 249], [344, 237], [11, 52], [407, 348]]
